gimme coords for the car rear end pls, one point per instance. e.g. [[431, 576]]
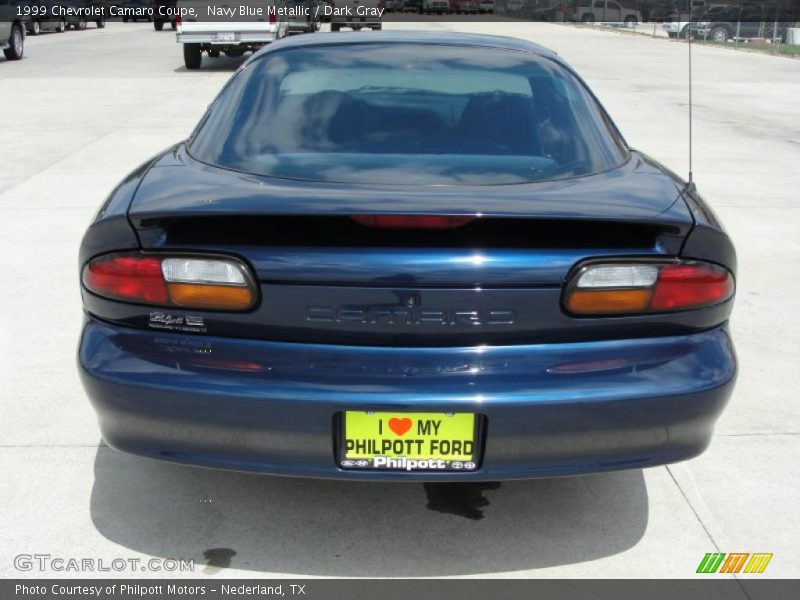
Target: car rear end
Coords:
[[352, 310], [230, 33]]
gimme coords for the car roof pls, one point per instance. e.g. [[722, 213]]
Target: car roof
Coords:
[[408, 37]]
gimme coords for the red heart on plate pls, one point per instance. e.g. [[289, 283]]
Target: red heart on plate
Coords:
[[400, 426]]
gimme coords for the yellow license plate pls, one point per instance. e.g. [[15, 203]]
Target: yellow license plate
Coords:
[[409, 441]]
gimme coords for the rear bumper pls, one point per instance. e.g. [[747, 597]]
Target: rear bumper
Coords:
[[551, 409], [241, 38]]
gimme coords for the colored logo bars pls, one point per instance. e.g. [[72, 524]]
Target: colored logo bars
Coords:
[[719, 562]]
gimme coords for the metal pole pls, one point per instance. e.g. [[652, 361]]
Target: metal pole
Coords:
[[738, 28]]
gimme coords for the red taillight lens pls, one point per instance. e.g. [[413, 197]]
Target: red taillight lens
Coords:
[[271, 11], [618, 288], [133, 278], [412, 221], [212, 283], [689, 286]]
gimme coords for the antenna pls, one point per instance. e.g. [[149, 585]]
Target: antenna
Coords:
[[690, 183]]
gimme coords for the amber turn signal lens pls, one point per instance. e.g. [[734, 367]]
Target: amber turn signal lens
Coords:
[[587, 302], [218, 297]]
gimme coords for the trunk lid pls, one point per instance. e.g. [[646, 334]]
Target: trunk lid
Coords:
[[326, 278]]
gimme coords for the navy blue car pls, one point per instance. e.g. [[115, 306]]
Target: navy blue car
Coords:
[[407, 256]]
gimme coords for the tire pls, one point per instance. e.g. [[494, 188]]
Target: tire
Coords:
[[101, 23], [158, 25], [587, 18], [16, 44], [81, 25], [124, 19], [173, 24], [684, 32], [631, 21], [213, 53], [36, 28], [192, 56], [335, 26], [672, 34], [718, 34], [62, 26]]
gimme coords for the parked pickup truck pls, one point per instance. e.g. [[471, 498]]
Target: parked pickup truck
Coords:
[[226, 31]]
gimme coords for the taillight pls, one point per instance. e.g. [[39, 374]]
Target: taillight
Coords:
[[212, 283], [272, 12], [411, 221], [616, 288]]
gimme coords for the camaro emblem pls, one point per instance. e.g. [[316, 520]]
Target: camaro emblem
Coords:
[[380, 315]]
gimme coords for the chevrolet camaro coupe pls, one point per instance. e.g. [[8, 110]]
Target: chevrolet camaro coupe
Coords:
[[407, 256]]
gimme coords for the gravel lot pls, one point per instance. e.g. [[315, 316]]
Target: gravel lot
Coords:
[[84, 108]]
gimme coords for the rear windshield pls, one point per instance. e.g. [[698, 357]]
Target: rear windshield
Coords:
[[407, 114]]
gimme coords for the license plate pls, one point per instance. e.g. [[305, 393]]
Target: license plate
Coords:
[[226, 37], [409, 441]]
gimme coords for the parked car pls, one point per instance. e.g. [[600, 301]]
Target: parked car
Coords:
[[363, 15], [44, 18], [12, 29], [454, 270], [675, 27], [436, 6], [739, 21], [164, 11], [602, 11], [93, 11], [486, 6], [325, 10], [136, 10], [662, 10], [465, 6], [414, 6], [305, 18]]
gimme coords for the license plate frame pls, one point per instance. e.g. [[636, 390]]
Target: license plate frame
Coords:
[[368, 464], [225, 37]]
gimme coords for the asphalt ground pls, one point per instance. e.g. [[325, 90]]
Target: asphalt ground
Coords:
[[84, 108]]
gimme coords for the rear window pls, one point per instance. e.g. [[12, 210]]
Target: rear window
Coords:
[[407, 114]]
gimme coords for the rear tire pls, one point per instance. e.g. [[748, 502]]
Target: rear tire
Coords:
[[158, 25], [631, 21], [588, 18], [335, 26], [101, 23], [16, 44], [81, 25], [719, 34], [192, 56], [36, 28], [62, 26]]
